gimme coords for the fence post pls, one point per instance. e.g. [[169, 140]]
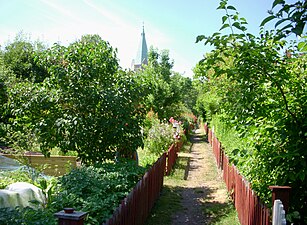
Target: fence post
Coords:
[[282, 193], [70, 217]]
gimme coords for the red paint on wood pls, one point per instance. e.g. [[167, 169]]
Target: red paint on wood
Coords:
[[251, 211], [282, 193]]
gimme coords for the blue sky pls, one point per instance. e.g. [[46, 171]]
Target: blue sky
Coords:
[[169, 24]]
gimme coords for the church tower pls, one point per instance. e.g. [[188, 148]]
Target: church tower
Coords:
[[142, 54]]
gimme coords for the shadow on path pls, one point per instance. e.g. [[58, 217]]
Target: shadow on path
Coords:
[[199, 202], [192, 193]]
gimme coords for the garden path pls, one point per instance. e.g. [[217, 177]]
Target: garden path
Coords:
[[203, 192]]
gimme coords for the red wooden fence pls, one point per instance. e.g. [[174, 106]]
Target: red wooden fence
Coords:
[[172, 155], [251, 211], [136, 207]]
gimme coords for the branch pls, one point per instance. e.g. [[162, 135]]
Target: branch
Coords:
[[284, 97]]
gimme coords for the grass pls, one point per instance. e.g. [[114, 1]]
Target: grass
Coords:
[[168, 203], [221, 213], [170, 200]]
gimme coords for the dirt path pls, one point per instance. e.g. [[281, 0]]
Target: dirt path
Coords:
[[203, 190]]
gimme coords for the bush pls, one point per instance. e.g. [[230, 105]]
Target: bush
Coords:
[[97, 189], [24, 174], [160, 137], [26, 216], [260, 95]]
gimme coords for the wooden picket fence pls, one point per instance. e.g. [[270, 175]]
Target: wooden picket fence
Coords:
[[136, 207], [172, 155], [251, 211]]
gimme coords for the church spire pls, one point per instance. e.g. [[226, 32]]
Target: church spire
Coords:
[[142, 54]]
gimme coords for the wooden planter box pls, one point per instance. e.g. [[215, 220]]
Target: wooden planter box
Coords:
[[53, 165]]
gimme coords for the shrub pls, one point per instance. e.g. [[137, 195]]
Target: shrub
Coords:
[[160, 137], [24, 174], [97, 189], [27, 216]]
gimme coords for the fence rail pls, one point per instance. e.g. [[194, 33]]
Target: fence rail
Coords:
[[172, 155], [136, 207], [251, 211]]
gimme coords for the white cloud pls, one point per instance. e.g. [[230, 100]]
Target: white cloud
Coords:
[[60, 22]]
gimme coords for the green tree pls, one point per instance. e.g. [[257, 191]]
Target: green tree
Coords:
[[3, 98], [87, 104], [184, 91], [291, 17], [20, 56], [156, 77], [167, 93], [260, 94]]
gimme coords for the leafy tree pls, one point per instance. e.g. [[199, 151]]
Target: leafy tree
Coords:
[[3, 98], [260, 94], [156, 77], [87, 104], [291, 17], [20, 55], [165, 90], [184, 90]]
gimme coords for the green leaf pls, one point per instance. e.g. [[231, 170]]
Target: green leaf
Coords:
[[269, 18], [224, 26], [222, 5], [200, 38], [277, 2], [224, 18], [286, 27], [302, 176], [216, 34], [231, 7], [302, 46], [298, 29], [243, 21], [280, 22], [237, 25]]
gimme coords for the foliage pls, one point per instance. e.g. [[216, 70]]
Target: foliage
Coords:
[[97, 189], [185, 91], [19, 56], [164, 89], [86, 103], [3, 97], [188, 121], [158, 138], [291, 16], [146, 158], [160, 135], [26, 216], [29, 175], [10, 177], [260, 93]]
